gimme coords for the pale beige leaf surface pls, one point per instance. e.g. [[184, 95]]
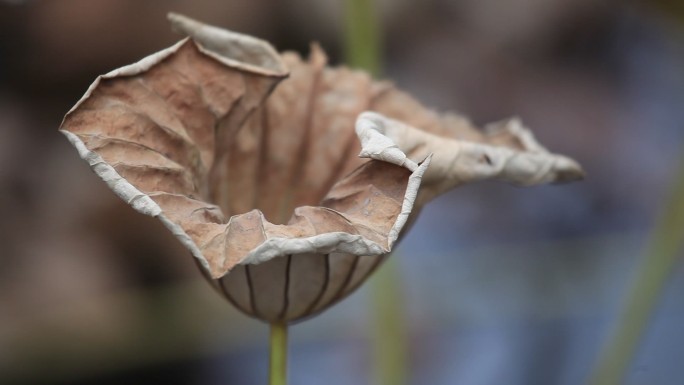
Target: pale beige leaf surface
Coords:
[[251, 159]]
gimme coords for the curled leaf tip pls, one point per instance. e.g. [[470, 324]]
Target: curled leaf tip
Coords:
[[375, 144], [238, 49], [568, 170]]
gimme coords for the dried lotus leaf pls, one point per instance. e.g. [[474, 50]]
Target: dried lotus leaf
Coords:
[[258, 173]]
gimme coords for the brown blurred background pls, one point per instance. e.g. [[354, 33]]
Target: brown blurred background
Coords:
[[501, 285]]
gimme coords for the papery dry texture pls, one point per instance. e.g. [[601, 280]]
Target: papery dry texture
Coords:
[[261, 181]]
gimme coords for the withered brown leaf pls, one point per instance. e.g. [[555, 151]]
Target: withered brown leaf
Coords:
[[258, 175]]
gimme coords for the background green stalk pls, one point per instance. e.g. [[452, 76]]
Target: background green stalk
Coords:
[[277, 374], [362, 50], [361, 36], [664, 250]]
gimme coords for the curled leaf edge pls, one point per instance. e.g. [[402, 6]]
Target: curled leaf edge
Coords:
[[271, 247]]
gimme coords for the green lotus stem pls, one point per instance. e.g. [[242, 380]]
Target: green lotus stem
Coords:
[[362, 50], [278, 355], [362, 37], [666, 243]]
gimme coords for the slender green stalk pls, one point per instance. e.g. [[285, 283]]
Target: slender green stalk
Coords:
[[362, 50], [362, 37], [278, 357], [665, 247]]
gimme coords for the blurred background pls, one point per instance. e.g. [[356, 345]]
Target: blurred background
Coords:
[[499, 285]]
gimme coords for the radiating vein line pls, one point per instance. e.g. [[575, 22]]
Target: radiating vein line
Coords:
[[263, 157], [230, 298], [252, 293], [378, 260], [324, 287], [286, 289], [304, 149], [346, 281], [340, 167]]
